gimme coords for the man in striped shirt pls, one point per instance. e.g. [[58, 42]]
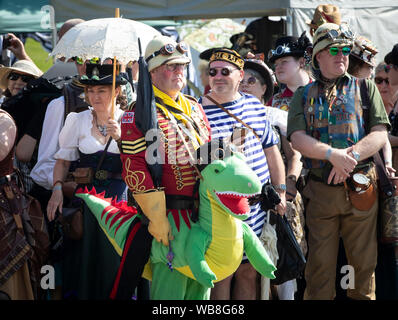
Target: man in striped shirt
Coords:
[[229, 110]]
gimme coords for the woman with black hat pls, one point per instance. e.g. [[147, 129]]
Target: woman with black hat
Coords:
[[258, 81], [90, 264], [288, 59]]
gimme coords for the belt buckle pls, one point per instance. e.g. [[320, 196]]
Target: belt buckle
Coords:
[[101, 175]]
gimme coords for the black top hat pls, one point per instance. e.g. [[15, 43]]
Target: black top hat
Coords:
[[100, 74], [392, 57], [289, 46], [265, 72]]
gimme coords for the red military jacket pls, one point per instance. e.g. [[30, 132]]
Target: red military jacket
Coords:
[[178, 175]]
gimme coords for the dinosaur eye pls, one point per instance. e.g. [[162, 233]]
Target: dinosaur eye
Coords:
[[216, 171]]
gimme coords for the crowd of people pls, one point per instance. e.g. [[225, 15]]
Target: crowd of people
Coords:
[[310, 117]]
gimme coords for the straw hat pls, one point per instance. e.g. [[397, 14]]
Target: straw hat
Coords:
[[324, 13], [23, 66]]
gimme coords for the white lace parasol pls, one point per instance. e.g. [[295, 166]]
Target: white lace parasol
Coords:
[[105, 38]]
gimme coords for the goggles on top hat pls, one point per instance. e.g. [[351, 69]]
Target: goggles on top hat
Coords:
[[169, 49], [333, 34], [278, 51]]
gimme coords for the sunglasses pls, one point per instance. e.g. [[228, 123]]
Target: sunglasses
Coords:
[[380, 80], [15, 76], [224, 71], [169, 49], [80, 61], [174, 66], [251, 81], [335, 50]]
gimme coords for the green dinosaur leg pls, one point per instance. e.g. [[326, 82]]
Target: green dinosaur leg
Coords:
[[167, 284], [256, 253], [197, 243], [195, 291]]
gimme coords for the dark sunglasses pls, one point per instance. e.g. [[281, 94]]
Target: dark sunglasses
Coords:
[[224, 71], [168, 50], [15, 76], [379, 80], [335, 50], [251, 81]]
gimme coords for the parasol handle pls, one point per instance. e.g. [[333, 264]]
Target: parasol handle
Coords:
[[139, 46], [117, 15]]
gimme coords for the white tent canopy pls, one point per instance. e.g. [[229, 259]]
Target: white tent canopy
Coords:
[[376, 20]]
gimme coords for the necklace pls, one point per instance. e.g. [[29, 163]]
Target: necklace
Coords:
[[102, 129]]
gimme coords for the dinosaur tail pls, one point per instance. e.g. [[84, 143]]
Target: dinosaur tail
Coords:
[[123, 227]]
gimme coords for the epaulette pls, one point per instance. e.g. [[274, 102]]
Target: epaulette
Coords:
[[131, 106]]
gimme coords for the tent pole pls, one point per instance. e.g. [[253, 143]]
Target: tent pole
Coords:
[[289, 22]]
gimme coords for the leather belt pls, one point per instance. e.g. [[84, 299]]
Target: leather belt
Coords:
[[179, 202]]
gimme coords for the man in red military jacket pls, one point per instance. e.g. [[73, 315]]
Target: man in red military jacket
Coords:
[[183, 127]]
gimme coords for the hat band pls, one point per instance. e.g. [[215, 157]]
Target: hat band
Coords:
[[344, 32]]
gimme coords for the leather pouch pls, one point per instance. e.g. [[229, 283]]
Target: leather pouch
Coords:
[[83, 175], [362, 189]]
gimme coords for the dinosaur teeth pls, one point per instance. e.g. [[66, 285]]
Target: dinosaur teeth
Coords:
[[233, 194]]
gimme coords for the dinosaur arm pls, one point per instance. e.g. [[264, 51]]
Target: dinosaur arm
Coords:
[[256, 253], [195, 249]]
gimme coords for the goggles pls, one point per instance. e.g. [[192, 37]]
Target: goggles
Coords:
[[168, 50], [24, 77], [80, 61], [279, 50], [380, 80], [251, 81], [335, 50], [388, 67], [343, 32], [225, 71]]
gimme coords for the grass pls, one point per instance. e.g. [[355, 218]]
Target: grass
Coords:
[[37, 53]]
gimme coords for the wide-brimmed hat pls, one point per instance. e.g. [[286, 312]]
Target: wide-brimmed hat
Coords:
[[23, 66], [289, 46], [165, 50], [392, 57], [100, 74], [206, 54], [331, 34], [364, 50], [265, 72], [228, 55], [324, 13]]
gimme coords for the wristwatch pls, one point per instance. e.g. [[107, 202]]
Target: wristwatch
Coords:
[[281, 187], [356, 155]]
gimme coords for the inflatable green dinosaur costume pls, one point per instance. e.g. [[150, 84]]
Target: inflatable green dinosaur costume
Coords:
[[203, 252]]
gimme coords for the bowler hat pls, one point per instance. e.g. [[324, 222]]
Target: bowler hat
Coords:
[[265, 72]]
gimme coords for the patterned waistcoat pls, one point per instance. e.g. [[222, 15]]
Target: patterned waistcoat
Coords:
[[338, 122]]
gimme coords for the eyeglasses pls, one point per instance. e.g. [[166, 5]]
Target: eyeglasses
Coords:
[[174, 66], [251, 81], [169, 49], [80, 61], [282, 49], [15, 76], [379, 80], [225, 71], [335, 50]]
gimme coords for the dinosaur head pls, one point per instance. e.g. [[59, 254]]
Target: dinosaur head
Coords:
[[227, 178]]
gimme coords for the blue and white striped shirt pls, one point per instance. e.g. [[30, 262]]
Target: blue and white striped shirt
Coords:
[[251, 111]]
